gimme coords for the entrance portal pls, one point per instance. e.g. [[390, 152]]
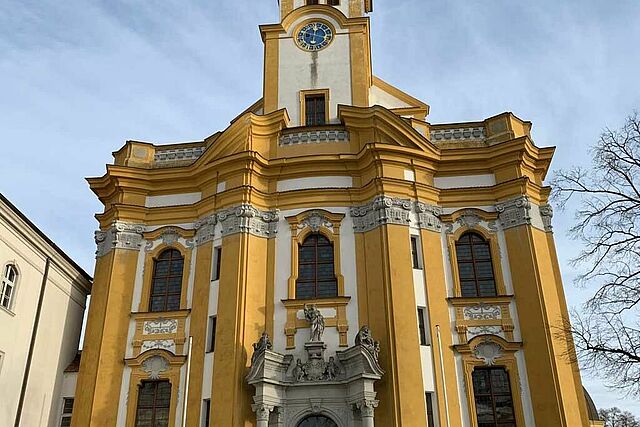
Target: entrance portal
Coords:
[[317, 421]]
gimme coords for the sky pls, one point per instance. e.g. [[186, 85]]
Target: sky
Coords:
[[79, 78]]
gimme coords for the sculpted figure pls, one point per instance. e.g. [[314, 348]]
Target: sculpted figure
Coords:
[[264, 343], [332, 369], [299, 371], [316, 320]]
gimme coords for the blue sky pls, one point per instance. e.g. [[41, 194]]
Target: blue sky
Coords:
[[78, 78]]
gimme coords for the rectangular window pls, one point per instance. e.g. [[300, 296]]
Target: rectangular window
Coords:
[[430, 417], [315, 110], [217, 257], [211, 339], [206, 412], [333, 2], [421, 327], [154, 401], [415, 253], [312, 2], [67, 410]]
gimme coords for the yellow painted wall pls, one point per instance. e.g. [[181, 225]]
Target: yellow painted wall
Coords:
[[198, 330], [556, 398], [389, 308], [102, 363], [241, 316]]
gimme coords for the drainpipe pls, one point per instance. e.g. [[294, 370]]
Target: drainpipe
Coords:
[[34, 333], [444, 380], [186, 384]]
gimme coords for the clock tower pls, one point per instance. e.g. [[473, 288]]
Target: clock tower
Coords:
[[316, 58]]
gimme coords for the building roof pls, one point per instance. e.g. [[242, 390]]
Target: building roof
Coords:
[[591, 407], [44, 237], [74, 366]]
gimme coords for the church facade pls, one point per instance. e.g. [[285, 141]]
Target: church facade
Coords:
[[329, 259]]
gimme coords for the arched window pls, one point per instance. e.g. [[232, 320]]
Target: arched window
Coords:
[[317, 421], [9, 279], [316, 275], [475, 267], [154, 403], [492, 395], [166, 284]]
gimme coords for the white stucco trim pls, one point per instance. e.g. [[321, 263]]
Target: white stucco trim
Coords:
[[172, 200], [315, 182], [466, 181]]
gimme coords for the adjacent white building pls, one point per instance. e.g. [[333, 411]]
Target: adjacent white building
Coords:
[[43, 293]]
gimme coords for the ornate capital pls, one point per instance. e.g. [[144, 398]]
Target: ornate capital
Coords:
[[514, 212], [247, 219], [205, 229], [546, 212], [367, 407], [382, 210], [429, 216], [120, 235], [262, 411]]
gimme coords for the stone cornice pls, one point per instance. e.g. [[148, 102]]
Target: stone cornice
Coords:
[[121, 235], [384, 210]]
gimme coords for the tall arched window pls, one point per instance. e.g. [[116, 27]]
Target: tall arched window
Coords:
[[492, 394], [166, 284], [316, 275], [9, 279], [475, 267]]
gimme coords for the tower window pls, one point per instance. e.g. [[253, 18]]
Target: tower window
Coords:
[[333, 2], [211, 339], [166, 285], [67, 410], [312, 2], [475, 267], [421, 327], [430, 417], [315, 110], [154, 400], [415, 253], [217, 259], [8, 286], [316, 275], [206, 410], [492, 394]]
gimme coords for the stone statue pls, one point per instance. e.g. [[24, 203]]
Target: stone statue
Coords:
[[264, 343], [316, 320], [299, 372], [365, 339], [332, 369]]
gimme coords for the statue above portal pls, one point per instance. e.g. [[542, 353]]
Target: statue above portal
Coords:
[[316, 321]]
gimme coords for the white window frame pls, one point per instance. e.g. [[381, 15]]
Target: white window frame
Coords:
[[5, 283]]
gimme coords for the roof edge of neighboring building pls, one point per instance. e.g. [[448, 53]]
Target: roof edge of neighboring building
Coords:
[[55, 248]]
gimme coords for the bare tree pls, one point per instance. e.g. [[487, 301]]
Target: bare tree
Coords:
[[607, 221], [614, 417]]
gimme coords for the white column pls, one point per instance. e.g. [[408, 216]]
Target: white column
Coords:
[[262, 414], [367, 408]]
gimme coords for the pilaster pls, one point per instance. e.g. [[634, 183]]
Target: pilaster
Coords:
[[556, 395], [198, 329], [102, 362], [241, 309], [384, 299]]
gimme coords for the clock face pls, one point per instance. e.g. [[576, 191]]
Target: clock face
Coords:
[[314, 36]]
